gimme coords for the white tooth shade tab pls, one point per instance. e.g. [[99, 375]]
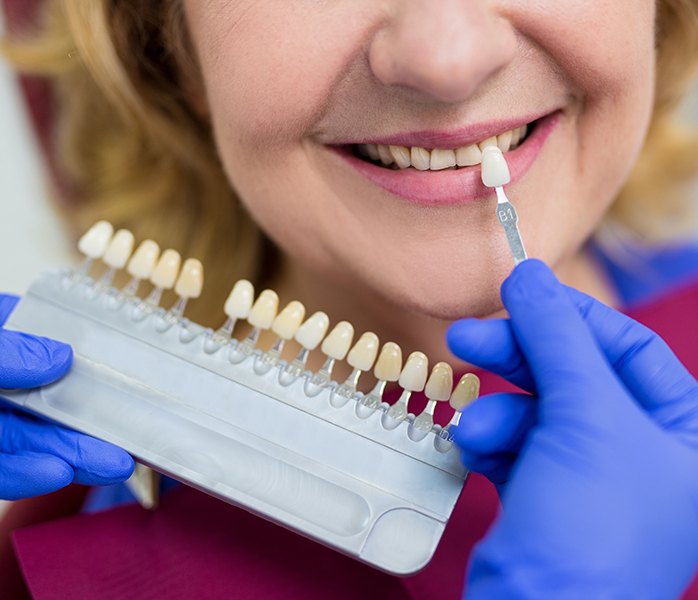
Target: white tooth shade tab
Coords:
[[495, 171], [240, 299], [363, 354], [95, 241], [440, 382], [288, 321], [165, 273], [119, 249], [389, 363], [264, 310], [144, 260], [466, 391], [337, 343], [191, 280], [414, 374], [310, 334]]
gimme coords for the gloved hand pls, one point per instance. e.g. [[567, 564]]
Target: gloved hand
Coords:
[[37, 457], [598, 469]]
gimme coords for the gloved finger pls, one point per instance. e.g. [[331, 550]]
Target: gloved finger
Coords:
[[496, 467], [642, 360], [647, 366], [565, 360], [94, 462], [32, 474], [28, 361], [495, 423], [490, 344], [7, 305]]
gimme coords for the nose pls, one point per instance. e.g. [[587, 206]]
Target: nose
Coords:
[[444, 49]]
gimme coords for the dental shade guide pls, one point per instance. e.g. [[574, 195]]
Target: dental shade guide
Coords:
[[495, 174], [246, 425]]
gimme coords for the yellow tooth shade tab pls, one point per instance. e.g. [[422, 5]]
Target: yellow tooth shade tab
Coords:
[[119, 249], [165, 273], [414, 374], [191, 280], [389, 363], [467, 390], [95, 241], [144, 260], [337, 343], [289, 320], [240, 299], [264, 309], [440, 382], [363, 354], [310, 334]]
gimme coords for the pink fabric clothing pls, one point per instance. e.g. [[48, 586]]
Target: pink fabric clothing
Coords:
[[196, 546]]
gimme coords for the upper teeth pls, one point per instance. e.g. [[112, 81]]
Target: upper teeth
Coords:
[[438, 158]]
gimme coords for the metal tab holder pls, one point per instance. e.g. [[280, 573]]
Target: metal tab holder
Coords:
[[149, 385]]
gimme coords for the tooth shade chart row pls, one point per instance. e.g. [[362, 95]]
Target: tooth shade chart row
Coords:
[[165, 271], [437, 159]]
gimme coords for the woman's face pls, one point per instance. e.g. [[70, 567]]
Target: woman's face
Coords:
[[296, 90]]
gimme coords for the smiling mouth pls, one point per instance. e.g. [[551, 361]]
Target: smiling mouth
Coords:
[[439, 159]]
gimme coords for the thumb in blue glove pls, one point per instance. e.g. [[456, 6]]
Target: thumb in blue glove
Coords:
[[597, 469], [37, 457]]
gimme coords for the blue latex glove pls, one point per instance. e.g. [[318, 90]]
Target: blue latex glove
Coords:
[[37, 457], [598, 468]]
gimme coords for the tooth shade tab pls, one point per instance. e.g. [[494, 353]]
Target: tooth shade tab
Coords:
[[95, 241], [191, 280], [263, 311], [467, 390], [144, 260], [389, 363], [363, 354], [310, 333], [337, 343], [495, 171], [414, 374], [440, 382], [165, 273], [119, 249], [240, 299], [288, 321]]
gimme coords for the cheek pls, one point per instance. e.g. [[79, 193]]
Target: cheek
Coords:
[[606, 52], [269, 67]]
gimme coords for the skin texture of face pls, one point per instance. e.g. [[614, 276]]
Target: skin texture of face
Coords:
[[285, 81]]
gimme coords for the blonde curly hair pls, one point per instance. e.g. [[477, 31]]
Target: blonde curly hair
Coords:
[[137, 152]]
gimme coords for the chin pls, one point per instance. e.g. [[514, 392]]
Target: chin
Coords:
[[447, 295]]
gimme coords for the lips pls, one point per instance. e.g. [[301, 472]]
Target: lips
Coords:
[[450, 186]]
